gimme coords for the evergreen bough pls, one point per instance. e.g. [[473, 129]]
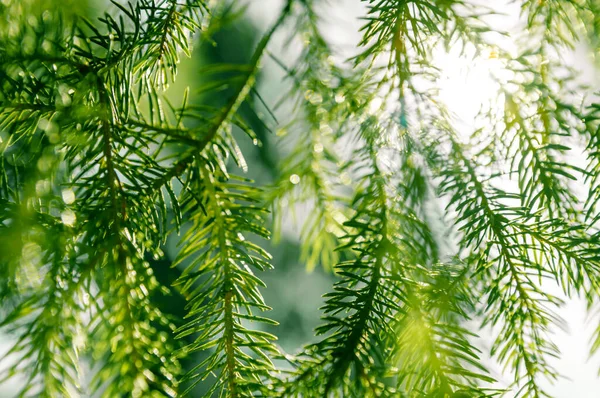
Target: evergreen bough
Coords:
[[98, 167]]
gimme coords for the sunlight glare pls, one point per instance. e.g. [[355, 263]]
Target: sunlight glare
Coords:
[[470, 82]]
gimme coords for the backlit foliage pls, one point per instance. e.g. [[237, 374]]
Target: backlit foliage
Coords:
[[429, 229]]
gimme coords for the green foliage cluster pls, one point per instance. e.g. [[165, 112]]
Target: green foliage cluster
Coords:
[[98, 168]]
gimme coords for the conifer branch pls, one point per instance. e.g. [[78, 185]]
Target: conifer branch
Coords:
[[97, 166], [367, 295], [435, 310], [169, 25], [526, 308], [321, 95], [228, 112]]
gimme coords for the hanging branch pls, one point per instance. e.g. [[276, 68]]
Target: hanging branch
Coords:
[[220, 286], [97, 166]]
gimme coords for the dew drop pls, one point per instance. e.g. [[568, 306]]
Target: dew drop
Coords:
[[68, 217], [68, 196], [42, 187], [294, 179]]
